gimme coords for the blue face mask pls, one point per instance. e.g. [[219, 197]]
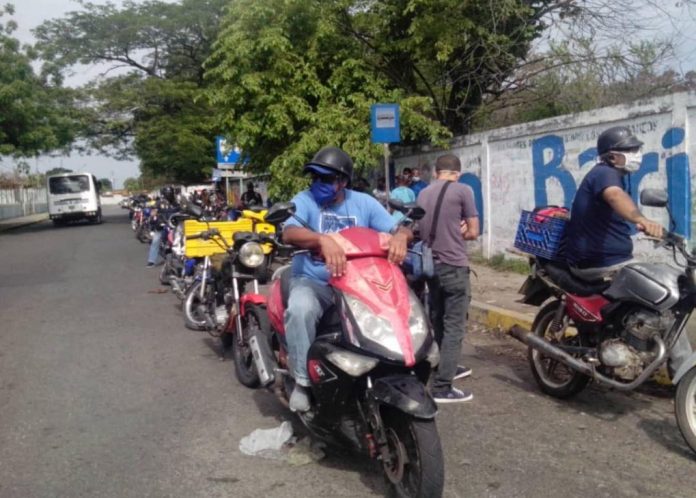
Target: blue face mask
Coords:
[[323, 193]]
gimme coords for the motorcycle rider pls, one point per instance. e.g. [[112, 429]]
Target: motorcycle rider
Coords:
[[166, 206], [598, 236], [327, 206]]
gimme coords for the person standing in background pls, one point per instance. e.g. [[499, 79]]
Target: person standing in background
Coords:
[[380, 191], [251, 197], [402, 193], [451, 219], [417, 179]]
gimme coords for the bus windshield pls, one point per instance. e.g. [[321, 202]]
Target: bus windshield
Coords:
[[73, 184]]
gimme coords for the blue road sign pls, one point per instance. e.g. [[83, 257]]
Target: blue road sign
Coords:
[[227, 153], [384, 120]]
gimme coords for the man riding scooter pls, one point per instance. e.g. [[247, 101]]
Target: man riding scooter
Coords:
[[327, 207]]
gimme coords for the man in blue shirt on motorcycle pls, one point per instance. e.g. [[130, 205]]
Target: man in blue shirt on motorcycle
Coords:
[[598, 234], [328, 206]]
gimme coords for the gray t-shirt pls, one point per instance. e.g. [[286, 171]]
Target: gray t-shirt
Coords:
[[458, 204]]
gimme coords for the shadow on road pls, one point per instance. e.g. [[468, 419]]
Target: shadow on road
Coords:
[[666, 433]]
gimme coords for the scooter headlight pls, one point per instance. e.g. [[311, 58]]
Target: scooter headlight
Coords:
[[417, 322], [373, 327], [251, 255], [351, 363]]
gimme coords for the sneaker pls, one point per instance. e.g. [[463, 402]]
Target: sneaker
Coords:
[[462, 372], [149, 265], [299, 399], [452, 395]]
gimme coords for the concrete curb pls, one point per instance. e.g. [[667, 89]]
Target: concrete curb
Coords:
[[13, 223], [495, 317]]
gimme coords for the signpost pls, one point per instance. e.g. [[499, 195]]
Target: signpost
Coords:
[[228, 157], [385, 127]]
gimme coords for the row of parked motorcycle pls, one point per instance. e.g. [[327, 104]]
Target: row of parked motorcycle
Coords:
[[374, 350]]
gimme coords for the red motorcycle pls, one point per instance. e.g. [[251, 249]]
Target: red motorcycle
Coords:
[[368, 366]]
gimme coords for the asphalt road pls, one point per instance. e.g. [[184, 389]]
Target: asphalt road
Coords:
[[104, 393]]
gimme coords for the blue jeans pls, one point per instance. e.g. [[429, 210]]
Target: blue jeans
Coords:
[[307, 303], [450, 295], [153, 253]]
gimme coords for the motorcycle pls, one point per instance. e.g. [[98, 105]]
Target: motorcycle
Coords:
[[212, 300], [177, 270], [368, 367], [616, 333]]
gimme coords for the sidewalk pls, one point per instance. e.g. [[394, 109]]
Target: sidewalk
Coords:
[[494, 299], [11, 223]]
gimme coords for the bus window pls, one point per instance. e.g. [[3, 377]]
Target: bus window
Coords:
[[73, 184]]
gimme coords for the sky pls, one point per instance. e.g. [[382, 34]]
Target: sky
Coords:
[[669, 16]]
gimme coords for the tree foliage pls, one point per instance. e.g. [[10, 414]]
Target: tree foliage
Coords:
[[149, 106], [106, 184], [35, 117]]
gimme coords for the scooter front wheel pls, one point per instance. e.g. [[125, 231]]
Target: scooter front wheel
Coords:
[[685, 407], [416, 467]]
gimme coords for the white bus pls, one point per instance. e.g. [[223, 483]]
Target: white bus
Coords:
[[73, 196]]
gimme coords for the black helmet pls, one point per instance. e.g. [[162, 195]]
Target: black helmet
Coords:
[[331, 160], [617, 138], [167, 193]]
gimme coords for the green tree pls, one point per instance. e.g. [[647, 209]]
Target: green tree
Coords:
[[152, 110], [131, 184], [35, 116], [106, 184], [286, 80], [58, 171]]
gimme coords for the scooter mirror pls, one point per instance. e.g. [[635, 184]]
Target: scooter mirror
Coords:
[[397, 204], [280, 212], [416, 213], [653, 197]]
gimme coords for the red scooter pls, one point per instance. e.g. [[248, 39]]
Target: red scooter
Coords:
[[368, 366]]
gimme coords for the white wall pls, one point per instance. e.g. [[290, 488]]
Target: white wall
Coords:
[[22, 202], [543, 162]]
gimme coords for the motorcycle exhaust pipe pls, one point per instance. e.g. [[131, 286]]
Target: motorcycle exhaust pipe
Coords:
[[261, 354], [556, 353], [536, 342]]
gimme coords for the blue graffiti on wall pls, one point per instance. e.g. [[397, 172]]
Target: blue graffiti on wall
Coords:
[[473, 181], [547, 159]]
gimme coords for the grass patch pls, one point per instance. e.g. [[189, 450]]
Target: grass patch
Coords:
[[500, 263]]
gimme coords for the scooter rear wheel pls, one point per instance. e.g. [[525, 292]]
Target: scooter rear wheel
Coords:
[[417, 468]]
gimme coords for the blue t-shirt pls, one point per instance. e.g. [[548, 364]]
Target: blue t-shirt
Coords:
[[356, 210], [596, 236], [418, 186], [405, 195]]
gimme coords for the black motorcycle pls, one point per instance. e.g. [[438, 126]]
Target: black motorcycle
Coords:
[[616, 333]]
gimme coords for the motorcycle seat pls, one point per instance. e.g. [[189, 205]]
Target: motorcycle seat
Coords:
[[561, 276]]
